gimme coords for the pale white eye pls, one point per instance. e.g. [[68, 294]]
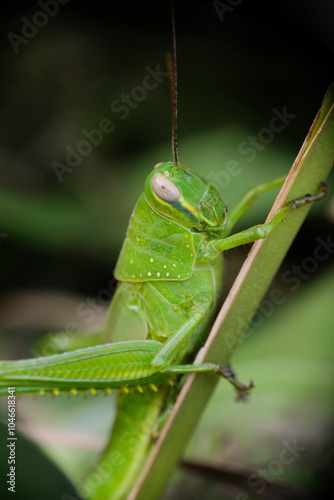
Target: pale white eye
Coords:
[[164, 188]]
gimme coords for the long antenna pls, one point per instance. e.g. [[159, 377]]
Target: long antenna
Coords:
[[172, 70]]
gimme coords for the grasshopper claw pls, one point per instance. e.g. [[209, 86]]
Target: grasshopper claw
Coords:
[[242, 389]]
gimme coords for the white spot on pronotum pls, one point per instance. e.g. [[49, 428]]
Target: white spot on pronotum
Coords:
[[167, 274], [178, 276], [191, 255], [140, 276], [174, 265], [133, 275], [151, 260], [187, 246], [158, 274], [149, 274], [165, 266]]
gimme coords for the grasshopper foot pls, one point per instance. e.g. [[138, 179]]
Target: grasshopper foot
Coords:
[[308, 198], [242, 389]]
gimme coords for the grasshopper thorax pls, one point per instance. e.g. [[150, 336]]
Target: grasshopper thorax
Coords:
[[181, 194]]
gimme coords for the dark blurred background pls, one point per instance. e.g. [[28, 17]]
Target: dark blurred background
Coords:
[[60, 75]]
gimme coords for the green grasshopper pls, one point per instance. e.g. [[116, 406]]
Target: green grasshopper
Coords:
[[170, 274]]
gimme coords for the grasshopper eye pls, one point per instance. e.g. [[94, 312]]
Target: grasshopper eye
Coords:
[[164, 188]]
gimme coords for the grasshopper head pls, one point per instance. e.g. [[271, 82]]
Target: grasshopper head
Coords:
[[184, 196]]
